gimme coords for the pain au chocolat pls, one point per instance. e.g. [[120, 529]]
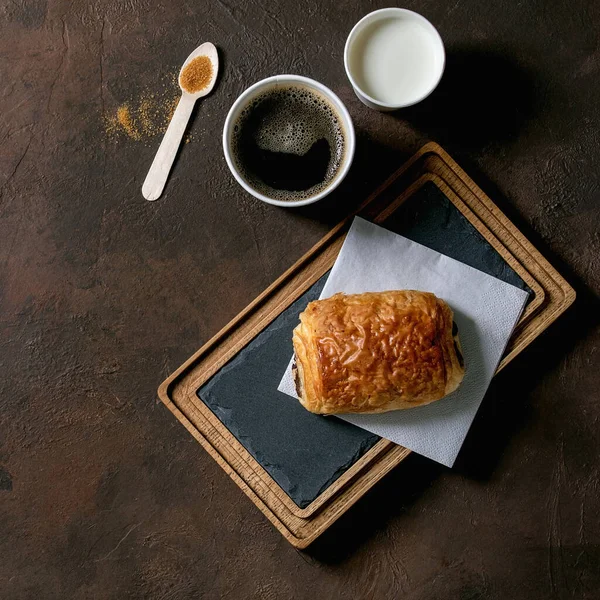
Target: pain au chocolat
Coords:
[[375, 352]]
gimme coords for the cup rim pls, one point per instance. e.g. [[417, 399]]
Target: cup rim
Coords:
[[398, 11], [330, 95]]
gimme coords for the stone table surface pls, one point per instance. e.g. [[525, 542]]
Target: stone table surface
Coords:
[[103, 494]]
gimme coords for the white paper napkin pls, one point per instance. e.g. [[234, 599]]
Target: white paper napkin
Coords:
[[486, 311]]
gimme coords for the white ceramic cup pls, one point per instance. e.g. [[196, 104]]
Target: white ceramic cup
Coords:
[[283, 80], [360, 41]]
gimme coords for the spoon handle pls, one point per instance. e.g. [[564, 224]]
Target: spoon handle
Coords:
[[163, 161]]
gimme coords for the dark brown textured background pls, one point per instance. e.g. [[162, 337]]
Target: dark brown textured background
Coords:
[[103, 494]]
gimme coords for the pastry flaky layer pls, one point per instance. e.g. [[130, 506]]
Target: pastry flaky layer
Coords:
[[374, 352]]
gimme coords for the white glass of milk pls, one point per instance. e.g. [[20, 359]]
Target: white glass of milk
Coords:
[[394, 58]]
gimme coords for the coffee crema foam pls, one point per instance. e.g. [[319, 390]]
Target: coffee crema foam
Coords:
[[289, 143]]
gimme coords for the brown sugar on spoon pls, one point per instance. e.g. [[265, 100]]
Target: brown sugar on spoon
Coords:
[[197, 74]]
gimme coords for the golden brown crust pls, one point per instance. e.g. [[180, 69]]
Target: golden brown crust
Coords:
[[374, 352]]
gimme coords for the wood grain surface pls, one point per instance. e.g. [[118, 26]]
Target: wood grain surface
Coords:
[[551, 296], [102, 294]]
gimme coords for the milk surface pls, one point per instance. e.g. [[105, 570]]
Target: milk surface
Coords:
[[395, 60]]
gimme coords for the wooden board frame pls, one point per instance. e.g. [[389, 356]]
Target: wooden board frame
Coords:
[[552, 295]]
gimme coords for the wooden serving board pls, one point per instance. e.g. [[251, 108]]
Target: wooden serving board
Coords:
[[550, 296]]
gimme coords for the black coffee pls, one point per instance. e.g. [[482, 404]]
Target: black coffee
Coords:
[[289, 143]]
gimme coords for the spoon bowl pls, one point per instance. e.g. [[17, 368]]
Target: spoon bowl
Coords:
[[209, 50]]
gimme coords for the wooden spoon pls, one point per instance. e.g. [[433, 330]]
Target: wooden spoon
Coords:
[[163, 161]]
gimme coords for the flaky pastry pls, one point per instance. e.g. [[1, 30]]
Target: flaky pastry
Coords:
[[375, 352]]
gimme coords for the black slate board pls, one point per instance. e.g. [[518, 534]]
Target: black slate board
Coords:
[[306, 453]]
